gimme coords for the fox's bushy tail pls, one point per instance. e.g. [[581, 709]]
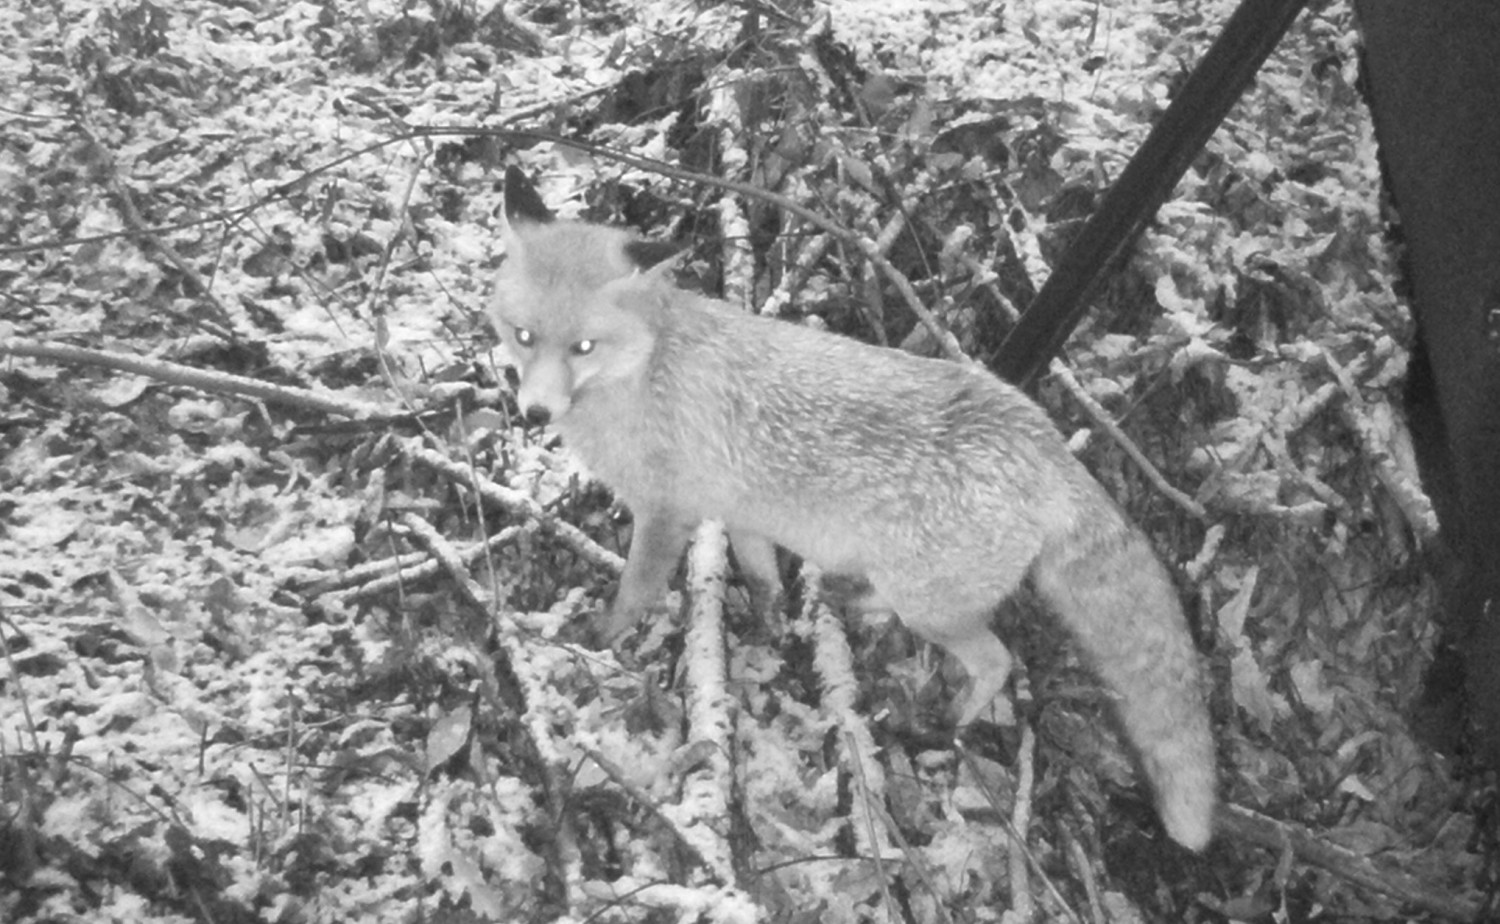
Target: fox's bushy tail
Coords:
[[1111, 591]]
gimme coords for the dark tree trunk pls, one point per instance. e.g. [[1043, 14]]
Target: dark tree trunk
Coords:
[[1433, 72]]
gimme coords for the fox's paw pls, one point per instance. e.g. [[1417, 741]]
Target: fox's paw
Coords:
[[613, 626], [767, 612], [982, 705]]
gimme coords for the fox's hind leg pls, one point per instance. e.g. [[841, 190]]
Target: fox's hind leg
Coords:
[[656, 547], [962, 628], [987, 662]]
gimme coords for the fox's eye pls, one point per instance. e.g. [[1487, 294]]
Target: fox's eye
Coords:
[[524, 337], [584, 347]]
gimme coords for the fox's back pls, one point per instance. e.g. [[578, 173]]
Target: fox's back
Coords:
[[786, 430], [783, 386]]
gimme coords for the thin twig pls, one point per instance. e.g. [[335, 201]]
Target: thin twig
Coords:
[[516, 657], [1101, 417], [384, 575], [881, 876], [1016, 838], [518, 503], [644, 799]]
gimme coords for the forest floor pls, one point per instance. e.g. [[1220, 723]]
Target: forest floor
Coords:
[[293, 610]]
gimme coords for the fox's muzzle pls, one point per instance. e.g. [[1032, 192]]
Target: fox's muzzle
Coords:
[[537, 415]]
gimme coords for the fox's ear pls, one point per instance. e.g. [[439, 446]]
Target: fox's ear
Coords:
[[522, 203], [639, 291], [653, 257]]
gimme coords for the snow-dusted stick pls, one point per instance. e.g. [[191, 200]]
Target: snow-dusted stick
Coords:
[[707, 790], [203, 379]]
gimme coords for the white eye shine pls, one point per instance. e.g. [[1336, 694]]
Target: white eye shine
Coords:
[[584, 347], [524, 337]]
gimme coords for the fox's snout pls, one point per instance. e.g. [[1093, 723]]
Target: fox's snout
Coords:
[[546, 390], [541, 410], [537, 415]]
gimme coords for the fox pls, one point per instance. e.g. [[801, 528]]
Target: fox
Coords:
[[936, 484]]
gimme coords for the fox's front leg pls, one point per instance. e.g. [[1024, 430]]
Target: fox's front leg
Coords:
[[755, 556], [655, 549]]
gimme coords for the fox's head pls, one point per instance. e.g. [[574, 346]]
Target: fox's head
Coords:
[[563, 305]]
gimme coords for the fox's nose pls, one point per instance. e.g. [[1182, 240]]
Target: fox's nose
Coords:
[[537, 415]]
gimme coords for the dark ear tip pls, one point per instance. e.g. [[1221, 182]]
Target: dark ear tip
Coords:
[[646, 254], [522, 203]]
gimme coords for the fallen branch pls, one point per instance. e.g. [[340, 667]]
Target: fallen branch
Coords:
[[387, 575], [1235, 821], [517, 503], [201, 379]]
